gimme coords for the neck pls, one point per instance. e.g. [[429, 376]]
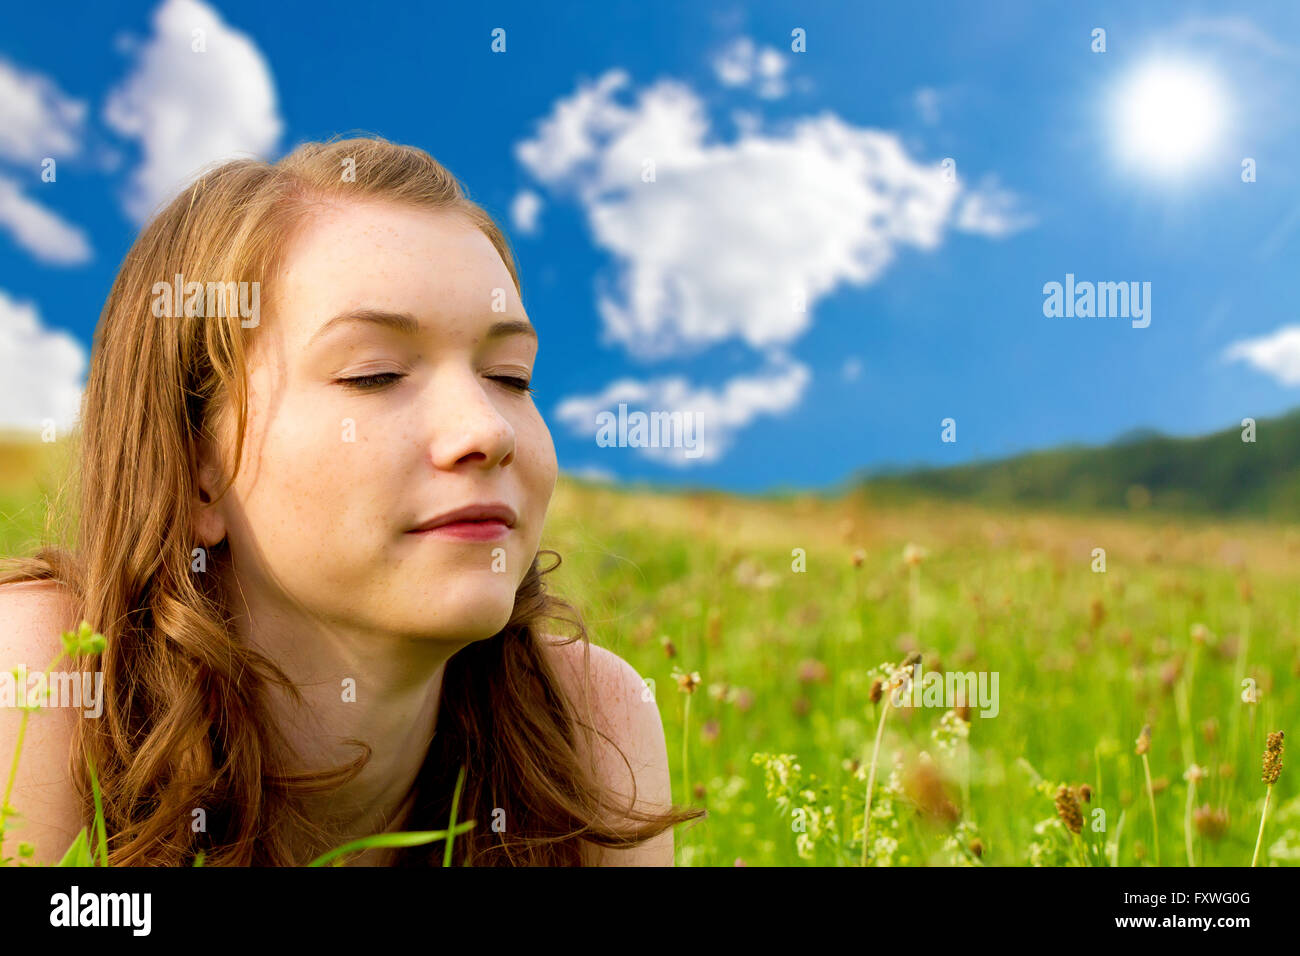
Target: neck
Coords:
[[356, 685]]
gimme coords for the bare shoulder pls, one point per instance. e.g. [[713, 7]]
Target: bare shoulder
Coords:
[[622, 707], [33, 615]]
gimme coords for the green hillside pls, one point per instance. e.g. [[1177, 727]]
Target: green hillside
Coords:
[[1212, 474]]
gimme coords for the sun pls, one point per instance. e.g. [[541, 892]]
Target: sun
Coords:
[[1170, 115]]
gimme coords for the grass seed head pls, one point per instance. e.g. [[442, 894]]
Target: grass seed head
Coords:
[[1144, 740], [1273, 758], [687, 682], [1211, 823], [1067, 808]]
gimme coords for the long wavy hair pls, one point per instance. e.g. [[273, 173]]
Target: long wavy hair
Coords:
[[186, 722]]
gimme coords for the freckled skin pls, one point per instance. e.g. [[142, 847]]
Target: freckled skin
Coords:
[[317, 523]]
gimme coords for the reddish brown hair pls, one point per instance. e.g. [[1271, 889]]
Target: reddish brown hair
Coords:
[[186, 722]]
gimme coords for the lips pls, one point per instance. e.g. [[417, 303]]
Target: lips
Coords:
[[490, 518]]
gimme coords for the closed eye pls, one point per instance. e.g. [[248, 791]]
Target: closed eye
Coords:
[[369, 383], [520, 385]]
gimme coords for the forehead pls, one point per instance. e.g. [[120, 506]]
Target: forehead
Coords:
[[435, 264]]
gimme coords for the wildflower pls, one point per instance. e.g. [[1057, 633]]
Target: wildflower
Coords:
[[1273, 758], [1160, 785], [1210, 730], [913, 555], [687, 683], [858, 557], [710, 731], [1144, 740], [1272, 770], [740, 862], [715, 627], [951, 730], [1085, 793], [1210, 823], [976, 847], [924, 786], [699, 791], [811, 670], [1067, 808], [1097, 613], [84, 640], [670, 649], [1200, 633], [877, 690], [801, 706], [719, 691], [744, 699]]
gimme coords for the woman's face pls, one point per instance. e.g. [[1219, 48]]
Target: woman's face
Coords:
[[337, 473]]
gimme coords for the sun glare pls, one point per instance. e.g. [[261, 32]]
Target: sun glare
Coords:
[[1169, 116]]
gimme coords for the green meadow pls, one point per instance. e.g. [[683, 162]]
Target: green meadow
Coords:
[[769, 630]]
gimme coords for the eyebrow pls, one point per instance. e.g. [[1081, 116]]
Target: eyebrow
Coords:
[[408, 324]]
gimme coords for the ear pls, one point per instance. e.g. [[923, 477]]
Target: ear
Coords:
[[209, 521]]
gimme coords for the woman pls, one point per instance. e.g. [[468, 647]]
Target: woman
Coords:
[[313, 486]]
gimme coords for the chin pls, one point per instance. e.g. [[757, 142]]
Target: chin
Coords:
[[468, 613]]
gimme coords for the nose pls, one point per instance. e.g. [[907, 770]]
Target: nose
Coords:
[[469, 426]]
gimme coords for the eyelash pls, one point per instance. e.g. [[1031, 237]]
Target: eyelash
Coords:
[[370, 383]]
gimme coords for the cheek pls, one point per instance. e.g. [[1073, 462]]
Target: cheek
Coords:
[[310, 468], [537, 458]]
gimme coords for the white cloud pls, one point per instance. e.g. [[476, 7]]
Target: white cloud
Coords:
[[41, 370], [524, 210], [189, 109], [1277, 354], [926, 100], [742, 63], [851, 368], [992, 212], [36, 118], [737, 240], [720, 245], [718, 413], [39, 230]]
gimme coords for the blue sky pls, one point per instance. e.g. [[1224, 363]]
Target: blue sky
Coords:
[[779, 176]]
